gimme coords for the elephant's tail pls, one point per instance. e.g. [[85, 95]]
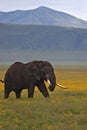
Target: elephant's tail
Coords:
[[61, 86], [2, 81]]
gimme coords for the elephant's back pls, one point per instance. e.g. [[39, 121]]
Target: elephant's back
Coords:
[[13, 71]]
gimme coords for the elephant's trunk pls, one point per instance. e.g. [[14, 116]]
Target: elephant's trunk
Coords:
[[52, 83]]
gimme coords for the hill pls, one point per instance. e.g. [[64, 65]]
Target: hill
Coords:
[[57, 44], [42, 16]]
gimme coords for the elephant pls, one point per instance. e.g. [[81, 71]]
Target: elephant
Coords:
[[21, 76]]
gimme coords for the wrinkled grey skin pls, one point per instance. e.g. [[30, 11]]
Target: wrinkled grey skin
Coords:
[[21, 76]]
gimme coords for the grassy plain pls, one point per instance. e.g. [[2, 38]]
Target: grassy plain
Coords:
[[64, 110]]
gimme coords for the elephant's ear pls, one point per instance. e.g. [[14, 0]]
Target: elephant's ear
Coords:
[[37, 76], [33, 70], [36, 72]]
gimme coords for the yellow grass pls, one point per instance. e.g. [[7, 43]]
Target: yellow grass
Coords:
[[2, 73], [72, 77]]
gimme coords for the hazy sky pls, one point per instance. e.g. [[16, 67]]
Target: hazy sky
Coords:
[[77, 8]]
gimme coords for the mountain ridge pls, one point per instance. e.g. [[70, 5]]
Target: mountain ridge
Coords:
[[42, 16]]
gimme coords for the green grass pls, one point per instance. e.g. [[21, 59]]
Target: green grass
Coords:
[[62, 111]]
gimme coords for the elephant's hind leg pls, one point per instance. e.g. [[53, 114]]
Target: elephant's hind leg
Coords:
[[6, 92], [18, 93]]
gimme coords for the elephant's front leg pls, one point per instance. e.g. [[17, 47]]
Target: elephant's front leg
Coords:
[[41, 86], [31, 91]]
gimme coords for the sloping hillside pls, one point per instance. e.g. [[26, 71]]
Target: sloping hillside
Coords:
[[42, 38], [24, 42], [42, 16]]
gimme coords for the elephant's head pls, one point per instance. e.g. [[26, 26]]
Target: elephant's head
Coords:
[[47, 74]]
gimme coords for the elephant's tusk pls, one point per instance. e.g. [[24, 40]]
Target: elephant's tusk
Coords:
[[48, 81], [60, 86]]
